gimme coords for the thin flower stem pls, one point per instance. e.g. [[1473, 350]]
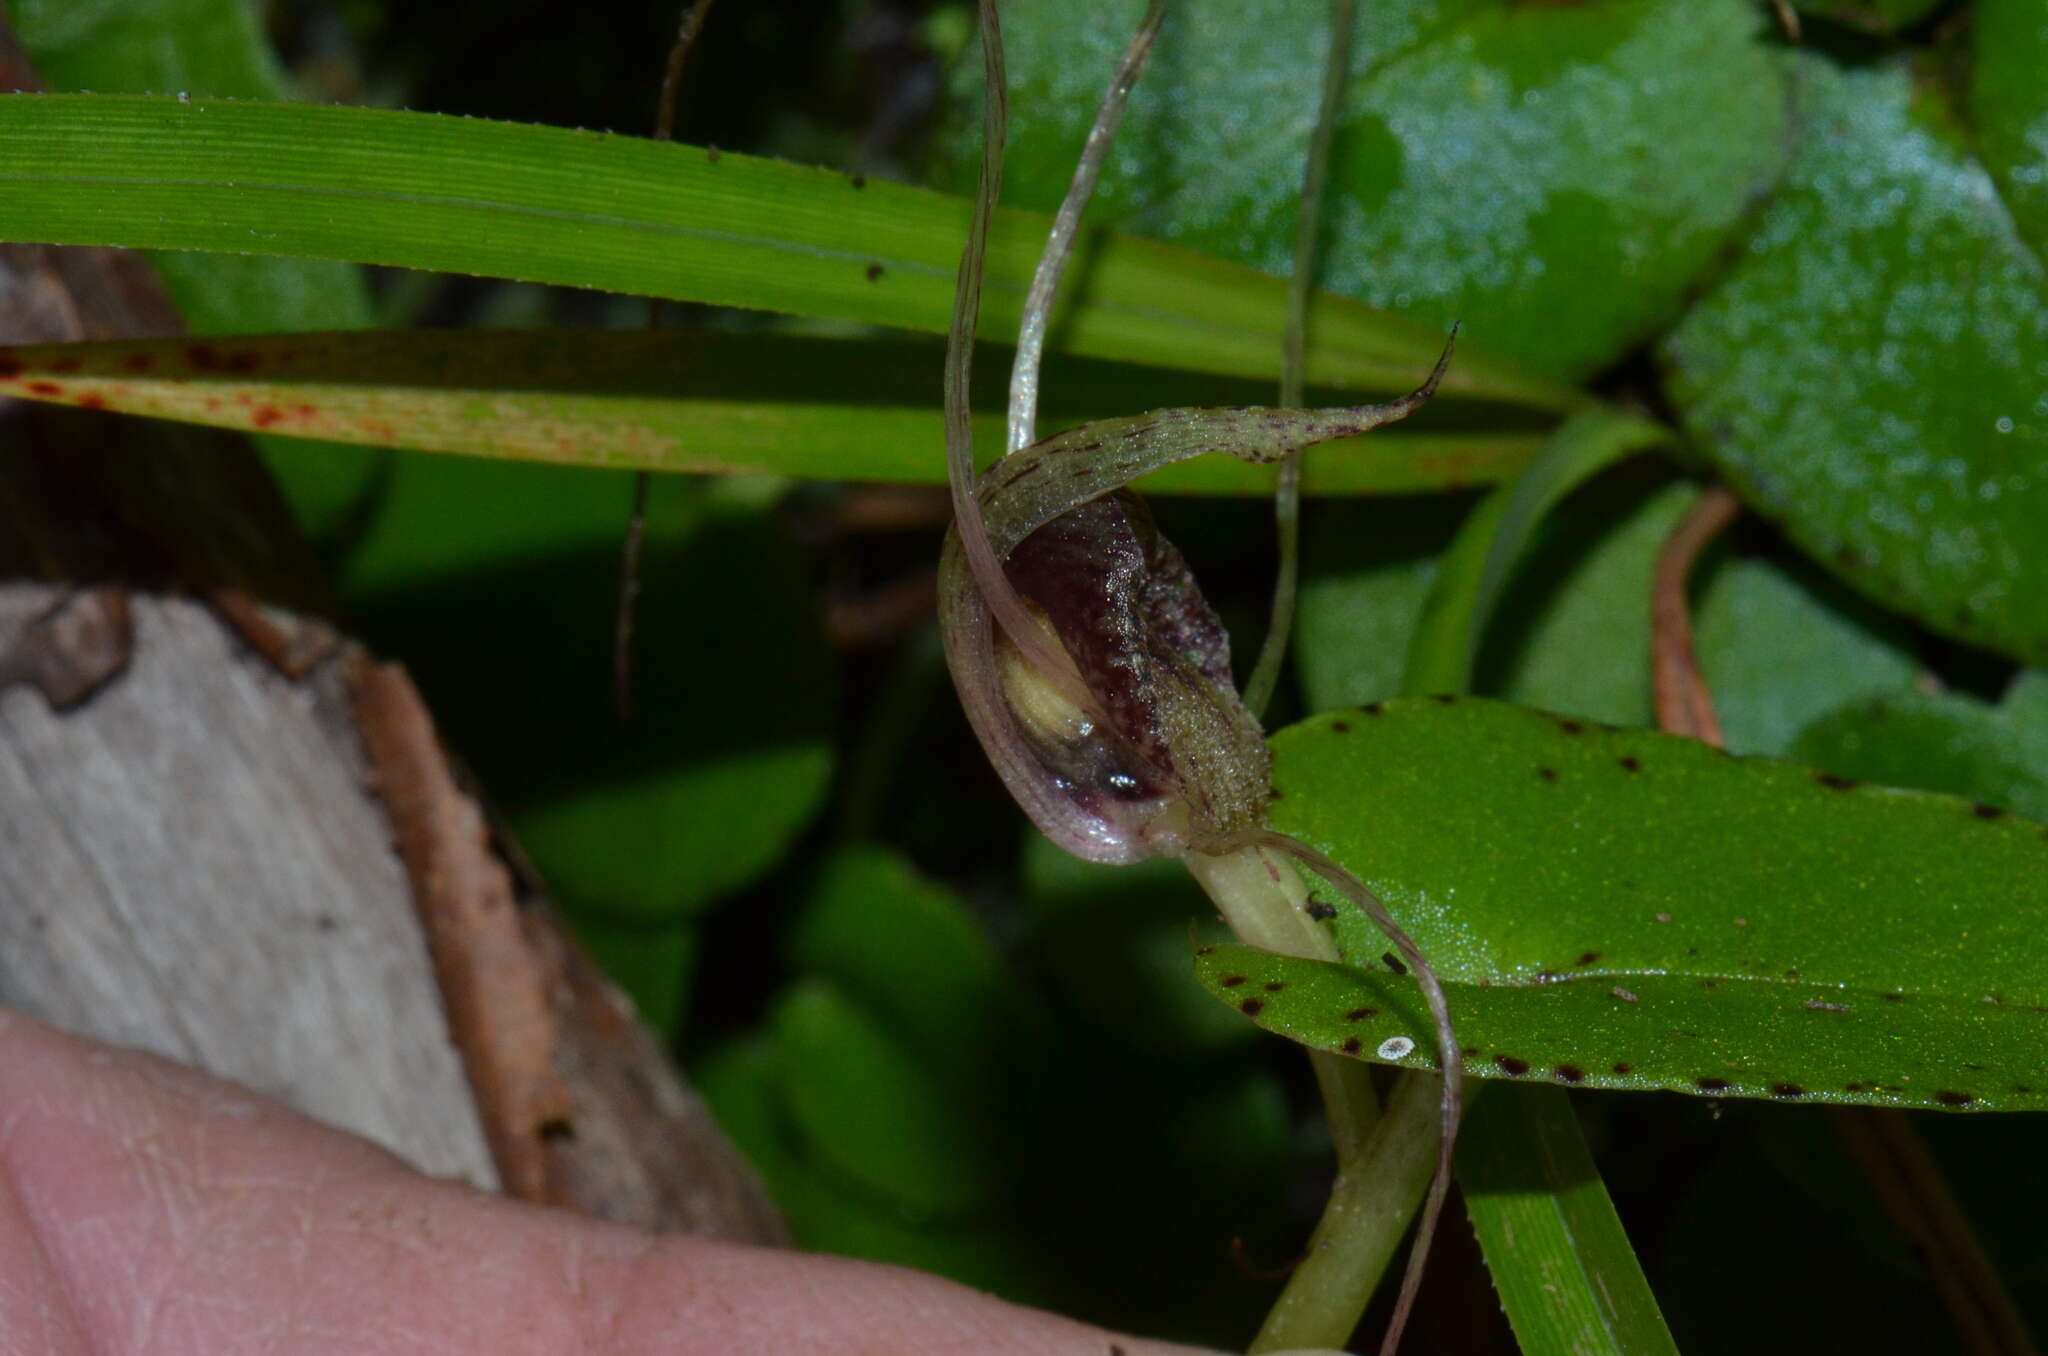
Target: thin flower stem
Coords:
[[1258, 691], [1371, 1203], [1066, 227], [1033, 641], [636, 524], [1447, 1090], [1386, 1163], [1262, 898]]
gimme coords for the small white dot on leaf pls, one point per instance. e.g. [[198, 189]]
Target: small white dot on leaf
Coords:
[[1396, 1047]]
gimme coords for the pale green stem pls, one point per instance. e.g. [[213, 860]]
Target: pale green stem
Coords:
[[1385, 1164], [1372, 1203], [1261, 897]]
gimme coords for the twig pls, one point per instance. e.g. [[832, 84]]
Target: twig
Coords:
[[1909, 1185], [636, 526], [1684, 706]]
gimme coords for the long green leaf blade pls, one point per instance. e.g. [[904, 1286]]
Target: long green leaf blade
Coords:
[[592, 209], [703, 403], [1476, 568], [1567, 1276]]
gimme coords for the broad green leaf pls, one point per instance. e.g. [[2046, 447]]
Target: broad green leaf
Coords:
[[596, 210], [1873, 374], [1367, 568], [1556, 177], [1568, 1279], [706, 403], [1571, 633], [2009, 104], [494, 583], [745, 1083], [1949, 742], [1780, 644], [1473, 573], [865, 1107], [218, 49], [906, 949], [1633, 910]]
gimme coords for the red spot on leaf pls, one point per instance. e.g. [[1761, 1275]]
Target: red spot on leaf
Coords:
[[266, 416], [45, 388], [92, 400]]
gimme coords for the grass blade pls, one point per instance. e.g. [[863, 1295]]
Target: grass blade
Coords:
[[1476, 568], [1566, 1274], [628, 214], [704, 403]]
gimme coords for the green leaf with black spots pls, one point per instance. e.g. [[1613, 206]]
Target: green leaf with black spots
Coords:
[[209, 48], [494, 582], [1595, 898], [1873, 374], [1997, 755], [2009, 104], [866, 1108], [1555, 177]]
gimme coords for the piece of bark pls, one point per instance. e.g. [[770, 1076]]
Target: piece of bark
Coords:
[[577, 1100], [189, 863], [69, 650], [194, 859]]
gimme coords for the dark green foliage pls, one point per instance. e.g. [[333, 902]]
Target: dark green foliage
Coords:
[[1817, 274]]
